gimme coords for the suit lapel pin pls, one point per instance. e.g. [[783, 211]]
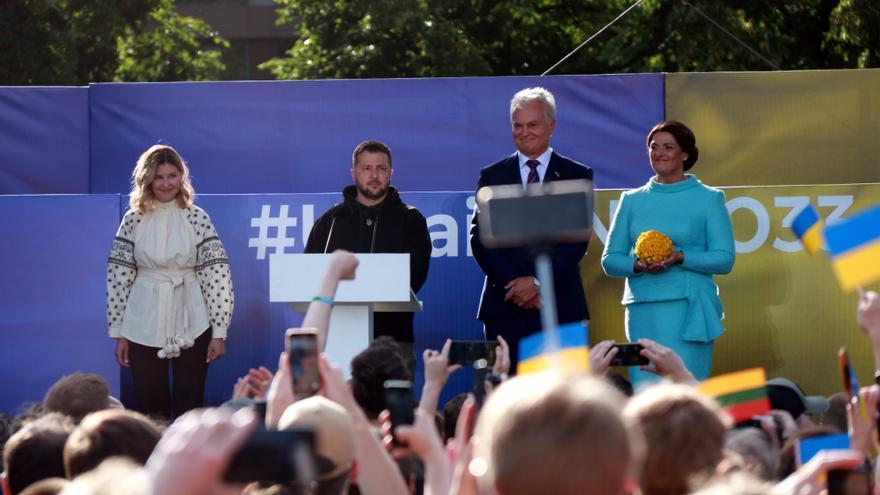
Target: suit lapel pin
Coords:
[[556, 174]]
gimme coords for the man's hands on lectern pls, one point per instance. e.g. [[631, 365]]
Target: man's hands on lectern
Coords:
[[524, 292]]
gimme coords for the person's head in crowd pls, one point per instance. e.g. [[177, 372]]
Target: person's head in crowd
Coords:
[[48, 486], [334, 439], [684, 437], [835, 416], [788, 454], [78, 394], [5, 432], [160, 175], [786, 395], [371, 171], [758, 454], [116, 476], [27, 414], [379, 362], [549, 433], [739, 483], [36, 452], [533, 120], [451, 410], [620, 382], [109, 433]]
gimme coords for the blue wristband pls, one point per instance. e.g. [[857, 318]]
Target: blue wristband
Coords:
[[327, 300]]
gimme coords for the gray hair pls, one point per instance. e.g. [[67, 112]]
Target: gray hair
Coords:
[[526, 96]]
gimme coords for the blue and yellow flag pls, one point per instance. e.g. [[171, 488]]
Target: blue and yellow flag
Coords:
[[573, 355], [807, 226], [855, 248]]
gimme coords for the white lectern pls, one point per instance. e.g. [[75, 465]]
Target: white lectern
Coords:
[[381, 284]]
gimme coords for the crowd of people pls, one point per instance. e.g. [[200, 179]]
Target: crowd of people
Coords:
[[545, 432]]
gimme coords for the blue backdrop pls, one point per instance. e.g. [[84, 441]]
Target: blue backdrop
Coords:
[[44, 136], [297, 136]]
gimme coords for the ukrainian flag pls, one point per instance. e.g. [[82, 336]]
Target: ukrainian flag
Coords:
[[855, 248], [807, 226], [573, 355]]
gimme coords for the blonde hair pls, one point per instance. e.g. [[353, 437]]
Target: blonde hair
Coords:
[[549, 433], [684, 437], [141, 197]]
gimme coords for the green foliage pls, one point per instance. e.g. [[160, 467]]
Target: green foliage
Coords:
[[76, 42], [170, 51], [34, 47], [412, 38], [855, 32]]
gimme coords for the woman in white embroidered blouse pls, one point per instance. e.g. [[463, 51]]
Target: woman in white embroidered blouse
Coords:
[[169, 290]]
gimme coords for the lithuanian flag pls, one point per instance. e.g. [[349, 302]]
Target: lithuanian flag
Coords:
[[855, 248], [573, 355], [742, 394]]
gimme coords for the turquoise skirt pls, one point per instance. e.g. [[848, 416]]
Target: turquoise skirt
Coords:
[[663, 322]]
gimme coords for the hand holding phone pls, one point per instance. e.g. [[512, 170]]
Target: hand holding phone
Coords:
[[302, 350], [629, 355], [401, 404], [467, 352]]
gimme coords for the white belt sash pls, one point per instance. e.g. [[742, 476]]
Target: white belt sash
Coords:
[[170, 283]]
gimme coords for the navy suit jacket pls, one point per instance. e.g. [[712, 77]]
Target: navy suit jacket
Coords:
[[505, 264]]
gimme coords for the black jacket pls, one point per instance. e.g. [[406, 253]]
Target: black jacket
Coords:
[[389, 227], [505, 264]]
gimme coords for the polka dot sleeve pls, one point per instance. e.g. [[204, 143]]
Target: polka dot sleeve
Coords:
[[212, 271], [121, 271]]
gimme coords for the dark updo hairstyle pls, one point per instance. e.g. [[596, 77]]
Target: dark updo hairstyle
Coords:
[[683, 135]]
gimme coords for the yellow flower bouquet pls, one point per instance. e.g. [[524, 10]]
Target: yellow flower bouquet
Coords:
[[653, 246]]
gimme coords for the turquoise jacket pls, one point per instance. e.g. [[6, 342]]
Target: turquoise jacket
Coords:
[[695, 217]]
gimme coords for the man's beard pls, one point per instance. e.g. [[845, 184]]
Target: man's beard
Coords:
[[372, 195]]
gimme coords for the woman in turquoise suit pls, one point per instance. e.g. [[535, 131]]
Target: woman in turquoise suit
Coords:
[[675, 301]]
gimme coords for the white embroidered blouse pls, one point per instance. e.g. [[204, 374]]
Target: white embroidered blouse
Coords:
[[168, 278]]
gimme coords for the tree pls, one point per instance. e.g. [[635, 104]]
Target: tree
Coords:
[[855, 32], [75, 42], [407, 38], [170, 51]]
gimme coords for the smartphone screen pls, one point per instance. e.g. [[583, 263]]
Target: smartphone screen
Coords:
[[469, 351], [302, 350], [629, 355], [400, 402], [277, 456]]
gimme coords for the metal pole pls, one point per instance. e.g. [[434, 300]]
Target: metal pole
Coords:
[[544, 269]]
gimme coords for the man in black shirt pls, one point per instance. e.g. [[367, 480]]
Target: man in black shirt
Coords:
[[373, 219]]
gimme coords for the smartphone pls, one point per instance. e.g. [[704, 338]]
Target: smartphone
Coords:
[[848, 376], [401, 403], [301, 345], [469, 351], [285, 456], [629, 355]]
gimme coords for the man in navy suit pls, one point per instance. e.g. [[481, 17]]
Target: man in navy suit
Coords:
[[510, 304]]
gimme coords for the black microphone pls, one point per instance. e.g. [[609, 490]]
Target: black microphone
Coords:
[[329, 235], [337, 214], [373, 216]]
